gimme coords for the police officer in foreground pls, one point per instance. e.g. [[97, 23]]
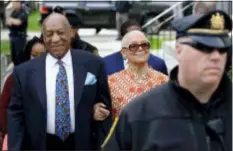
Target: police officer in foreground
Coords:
[[77, 43], [193, 111], [17, 24]]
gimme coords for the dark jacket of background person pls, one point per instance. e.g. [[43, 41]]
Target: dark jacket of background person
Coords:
[[3, 6], [114, 63], [175, 120], [78, 43], [28, 104]]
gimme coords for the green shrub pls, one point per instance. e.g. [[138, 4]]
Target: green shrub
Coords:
[[5, 47], [156, 42]]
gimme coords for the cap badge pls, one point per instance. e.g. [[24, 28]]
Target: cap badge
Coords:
[[217, 22]]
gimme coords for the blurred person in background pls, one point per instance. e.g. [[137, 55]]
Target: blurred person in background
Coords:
[[129, 25], [77, 42], [193, 110], [3, 5], [17, 24], [122, 8], [2, 13], [202, 7], [57, 9], [116, 62], [34, 48], [138, 78]]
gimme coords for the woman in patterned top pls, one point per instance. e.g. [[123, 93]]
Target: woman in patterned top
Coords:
[[137, 78]]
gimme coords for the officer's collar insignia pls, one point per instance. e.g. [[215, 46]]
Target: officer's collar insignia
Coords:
[[217, 22]]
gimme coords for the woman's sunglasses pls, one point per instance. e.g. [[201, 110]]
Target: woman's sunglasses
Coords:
[[135, 47], [204, 48]]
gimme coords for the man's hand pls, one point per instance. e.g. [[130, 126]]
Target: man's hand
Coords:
[[100, 113]]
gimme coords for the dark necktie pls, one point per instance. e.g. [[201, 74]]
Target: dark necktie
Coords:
[[62, 117]]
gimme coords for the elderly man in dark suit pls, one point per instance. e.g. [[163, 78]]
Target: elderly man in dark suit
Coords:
[[54, 95]]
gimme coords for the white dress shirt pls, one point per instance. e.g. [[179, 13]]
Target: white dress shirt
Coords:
[[51, 74]]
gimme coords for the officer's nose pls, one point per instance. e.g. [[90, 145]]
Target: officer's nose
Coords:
[[215, 55]]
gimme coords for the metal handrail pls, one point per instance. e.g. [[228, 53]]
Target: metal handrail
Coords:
[[160, 15], [150, 22], [169, 18]]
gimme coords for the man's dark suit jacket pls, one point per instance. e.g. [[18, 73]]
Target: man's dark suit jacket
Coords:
[[114, 63], [27, 111]]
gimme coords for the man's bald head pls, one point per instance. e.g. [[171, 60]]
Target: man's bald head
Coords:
[[56, 17], [132, 36]]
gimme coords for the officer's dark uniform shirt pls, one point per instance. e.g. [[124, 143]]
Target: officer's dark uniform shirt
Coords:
[[169, 117], [77, 43], [19, 30]]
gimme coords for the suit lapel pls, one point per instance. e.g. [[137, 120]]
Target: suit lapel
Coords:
[[38, 75], [79, 74]]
